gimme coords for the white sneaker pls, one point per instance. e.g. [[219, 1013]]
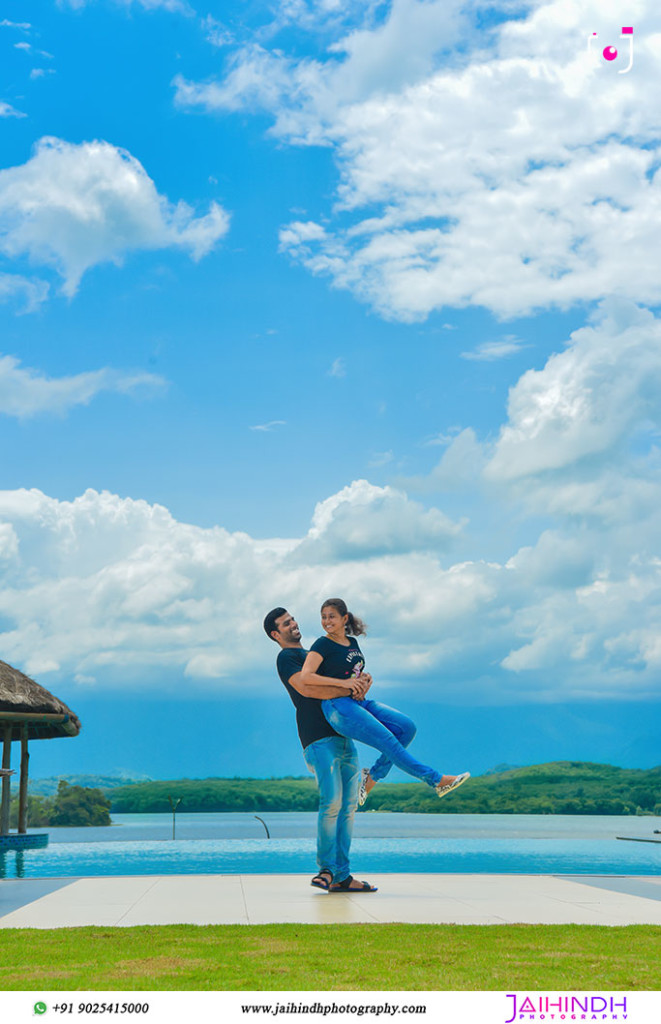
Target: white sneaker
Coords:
[[458, 779], [362, 792]]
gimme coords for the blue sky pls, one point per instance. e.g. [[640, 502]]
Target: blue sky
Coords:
[[331, 298]]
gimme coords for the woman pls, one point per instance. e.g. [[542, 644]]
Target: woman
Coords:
[[338, 655]]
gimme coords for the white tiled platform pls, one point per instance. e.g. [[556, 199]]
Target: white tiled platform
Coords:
[[264, 899]]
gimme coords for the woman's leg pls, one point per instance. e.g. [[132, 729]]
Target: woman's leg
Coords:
[[401, 726], [350, 718]]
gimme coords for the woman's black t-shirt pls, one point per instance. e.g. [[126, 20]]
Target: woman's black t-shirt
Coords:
[[339, 662]]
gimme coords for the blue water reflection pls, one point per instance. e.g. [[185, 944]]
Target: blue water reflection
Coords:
[[236, 843]]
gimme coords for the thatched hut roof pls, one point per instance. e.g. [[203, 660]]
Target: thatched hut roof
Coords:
[[22, 700]]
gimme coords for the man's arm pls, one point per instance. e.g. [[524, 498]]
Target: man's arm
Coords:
[[310, 684], [321, 687]]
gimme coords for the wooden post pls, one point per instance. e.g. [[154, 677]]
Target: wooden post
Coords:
[[23, 785], [6, 782], [174, 805]]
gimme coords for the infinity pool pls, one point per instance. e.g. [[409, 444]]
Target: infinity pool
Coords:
[[238, 844]]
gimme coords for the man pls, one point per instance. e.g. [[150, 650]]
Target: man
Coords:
[[332, 758]]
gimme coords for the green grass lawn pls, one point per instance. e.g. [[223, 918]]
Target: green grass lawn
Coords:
[[353, 957]]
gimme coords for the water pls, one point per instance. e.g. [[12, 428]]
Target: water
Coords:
[[141, 844]]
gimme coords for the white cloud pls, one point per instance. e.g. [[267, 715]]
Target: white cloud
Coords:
[[176, 6], [257, 79], [491, 351], [321, 15], [25, 392], [75, 206], [32, 291], [559, 560], [581, 439], [593, 631], [8, 542], [216, 33], [515, 174], [115, 589], [587, 400], [305, 94], [364, 521], [298, 233], [442, 439], [462, 463], [380, 459], [338, 369], [267, 427], [5, 23], [6, 110], [118, 591], [112, 587]]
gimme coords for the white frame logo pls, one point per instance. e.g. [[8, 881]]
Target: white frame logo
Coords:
[[610, 53]]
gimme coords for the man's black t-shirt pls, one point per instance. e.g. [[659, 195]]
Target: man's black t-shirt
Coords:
[[339, 662], [310, 719]]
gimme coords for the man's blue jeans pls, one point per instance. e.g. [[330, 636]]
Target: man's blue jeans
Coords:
[[376, 725], [334, 761]]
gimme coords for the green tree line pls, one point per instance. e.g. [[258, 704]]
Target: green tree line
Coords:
[[199, 795], [562, 787], [71, 805]]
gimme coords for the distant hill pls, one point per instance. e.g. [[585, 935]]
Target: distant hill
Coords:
[[48, 786], [561, 787], [500, 768]]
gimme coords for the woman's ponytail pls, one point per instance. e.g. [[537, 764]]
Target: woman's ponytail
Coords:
[[355, 626]]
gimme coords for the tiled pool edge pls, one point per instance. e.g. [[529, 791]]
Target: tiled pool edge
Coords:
[[261, 899]]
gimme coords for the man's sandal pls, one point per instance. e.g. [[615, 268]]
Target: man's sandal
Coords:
[[346, 886], [323, 879]]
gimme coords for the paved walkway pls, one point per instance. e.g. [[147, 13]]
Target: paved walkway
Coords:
[[263, 899]]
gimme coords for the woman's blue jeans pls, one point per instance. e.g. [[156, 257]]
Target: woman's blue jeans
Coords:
[[403, 729], [378, 726], [334, 762]]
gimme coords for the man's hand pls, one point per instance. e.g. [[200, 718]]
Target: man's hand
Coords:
[[361, 685]]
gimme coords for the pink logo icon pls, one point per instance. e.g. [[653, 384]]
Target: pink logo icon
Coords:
[[610, 53]]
